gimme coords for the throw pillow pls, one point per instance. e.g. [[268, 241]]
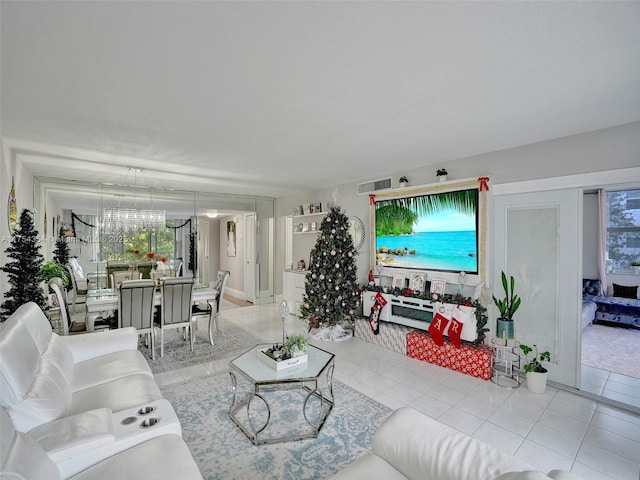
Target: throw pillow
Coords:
[[436, 328], [455, 329], [590, 287], [625, 291]]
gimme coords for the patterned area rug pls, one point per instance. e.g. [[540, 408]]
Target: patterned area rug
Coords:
[[222, 451], [611, 348], [230, 343]]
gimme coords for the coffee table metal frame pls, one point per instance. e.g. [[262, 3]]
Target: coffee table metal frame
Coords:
[[262, 376]]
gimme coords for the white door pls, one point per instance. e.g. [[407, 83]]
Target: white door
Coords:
[[250, 257], [538, 240]]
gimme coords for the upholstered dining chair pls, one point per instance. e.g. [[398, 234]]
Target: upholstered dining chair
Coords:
[[77, 296], [175, 307], [116, 278], [216, 304], [67, 325], [136, 308]]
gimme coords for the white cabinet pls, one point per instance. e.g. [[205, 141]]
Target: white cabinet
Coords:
[[293, 289]]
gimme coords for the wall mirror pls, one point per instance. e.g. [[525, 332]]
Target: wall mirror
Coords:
[[356, 229]]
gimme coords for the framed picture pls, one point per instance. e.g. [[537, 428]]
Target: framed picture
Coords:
[[398, 281], [437, 286], [417, 281], [53, 300], [231, 239], [296, 211], [317, 208]]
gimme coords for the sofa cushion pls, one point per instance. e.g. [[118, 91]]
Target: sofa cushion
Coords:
[[107, 368], [127, 392], [59, 355], [163, 457], [19, 361], [48, 398], [20, 456]]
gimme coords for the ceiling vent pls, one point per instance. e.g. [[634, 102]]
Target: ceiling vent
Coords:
[[374, 186]]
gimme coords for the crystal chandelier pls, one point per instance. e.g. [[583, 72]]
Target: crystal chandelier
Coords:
[[118, 220]]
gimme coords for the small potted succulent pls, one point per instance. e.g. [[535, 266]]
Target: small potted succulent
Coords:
[[635, 266], [536, 373], [403, 181]]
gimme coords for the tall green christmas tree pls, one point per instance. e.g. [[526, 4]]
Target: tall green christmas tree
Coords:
[[24, 270], [61, 252], [331, 286]]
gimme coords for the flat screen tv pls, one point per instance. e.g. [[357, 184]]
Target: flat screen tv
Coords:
[[433, 231]]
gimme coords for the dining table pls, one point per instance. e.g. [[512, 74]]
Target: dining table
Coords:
[[106, 300]]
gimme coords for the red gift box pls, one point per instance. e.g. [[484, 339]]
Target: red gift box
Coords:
[[471, 359]]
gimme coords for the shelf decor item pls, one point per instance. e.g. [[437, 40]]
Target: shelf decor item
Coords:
[[292, 352]]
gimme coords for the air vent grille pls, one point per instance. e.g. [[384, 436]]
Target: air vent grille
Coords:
[[374, 186]]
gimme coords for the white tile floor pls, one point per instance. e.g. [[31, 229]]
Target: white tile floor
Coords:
[[557, 429]]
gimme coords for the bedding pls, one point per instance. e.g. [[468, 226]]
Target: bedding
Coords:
[[617, 310]]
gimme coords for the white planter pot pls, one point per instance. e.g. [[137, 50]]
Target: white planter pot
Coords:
[[537, 382], [635, 269]]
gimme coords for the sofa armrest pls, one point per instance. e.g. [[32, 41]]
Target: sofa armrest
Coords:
[[421, 447], [92, 345], [69, 437]]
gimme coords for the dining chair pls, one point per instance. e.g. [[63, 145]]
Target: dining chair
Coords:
[[77, 296], [68, 326], [175, 307], [116, 278], [216, 304], [136, 308]]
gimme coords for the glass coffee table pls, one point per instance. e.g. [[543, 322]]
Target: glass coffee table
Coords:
[[281, 405]]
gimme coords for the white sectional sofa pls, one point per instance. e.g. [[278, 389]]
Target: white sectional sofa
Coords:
[[410, 445], [82, 401]]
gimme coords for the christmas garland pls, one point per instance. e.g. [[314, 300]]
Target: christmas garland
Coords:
[[457, 299]]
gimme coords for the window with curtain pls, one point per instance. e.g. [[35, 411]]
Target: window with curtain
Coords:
[[623, 228]]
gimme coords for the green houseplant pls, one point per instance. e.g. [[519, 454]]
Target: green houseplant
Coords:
[[51, 269], [635, 266], [535, 372], [507, 307]]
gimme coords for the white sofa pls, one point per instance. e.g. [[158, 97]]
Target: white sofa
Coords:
[[81, 399], [410, 445]]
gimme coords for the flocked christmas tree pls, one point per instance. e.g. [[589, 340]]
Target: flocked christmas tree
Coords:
[[331, 288], [61, 252], [24, 270]]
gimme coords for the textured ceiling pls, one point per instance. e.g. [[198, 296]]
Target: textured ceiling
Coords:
[[270, 98]]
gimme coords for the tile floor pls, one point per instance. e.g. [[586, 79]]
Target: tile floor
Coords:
[[557, 429]]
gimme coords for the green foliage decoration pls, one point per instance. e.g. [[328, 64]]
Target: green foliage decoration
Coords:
[[535, 365], [511, 302], [24, 270]]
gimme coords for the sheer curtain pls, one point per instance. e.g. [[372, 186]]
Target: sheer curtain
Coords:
[[602, 240]]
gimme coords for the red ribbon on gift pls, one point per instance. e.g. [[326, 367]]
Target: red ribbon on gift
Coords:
[[483, 183]]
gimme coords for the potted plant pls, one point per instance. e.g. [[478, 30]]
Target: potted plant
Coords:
[[51, 269], [635, 266], [507, 307], [403, 181], [296, 345], [536, 373]]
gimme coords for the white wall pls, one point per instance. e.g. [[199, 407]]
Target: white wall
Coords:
[[601, 150]]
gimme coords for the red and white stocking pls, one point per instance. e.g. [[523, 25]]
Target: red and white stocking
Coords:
[[378, 304]]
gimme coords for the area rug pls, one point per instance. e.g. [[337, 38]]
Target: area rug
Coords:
[[177, 354], [222, 451], [611, 348]]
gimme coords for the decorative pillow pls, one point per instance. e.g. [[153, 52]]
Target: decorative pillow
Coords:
[[436, 328], [590, 287], [455, 329], [625, 291]]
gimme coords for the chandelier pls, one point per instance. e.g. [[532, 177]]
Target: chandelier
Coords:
[[118, 220]]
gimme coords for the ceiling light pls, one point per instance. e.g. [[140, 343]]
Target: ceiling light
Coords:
[[212, 215], [117, 220]]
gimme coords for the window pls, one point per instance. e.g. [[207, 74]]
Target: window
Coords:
[[623, 227]]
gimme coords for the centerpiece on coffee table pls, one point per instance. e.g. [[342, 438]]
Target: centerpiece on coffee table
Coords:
[[289, 354]]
